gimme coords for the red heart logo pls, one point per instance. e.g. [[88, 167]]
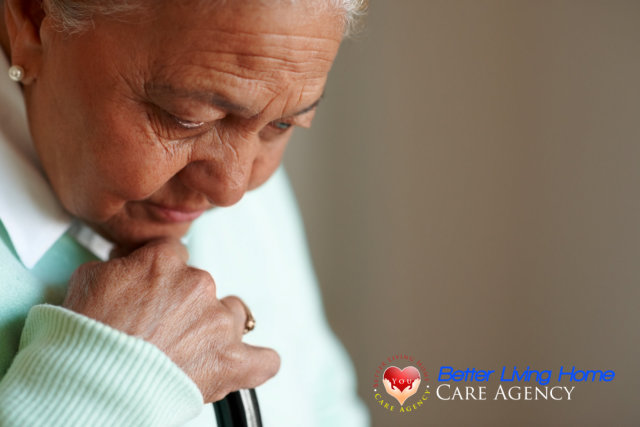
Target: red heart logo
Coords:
[[401, 379], [401, 384]]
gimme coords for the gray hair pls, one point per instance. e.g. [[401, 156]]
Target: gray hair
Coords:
[[75, 16]]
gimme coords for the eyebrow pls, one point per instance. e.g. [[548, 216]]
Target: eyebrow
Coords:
[[220, 101], [309, 108]]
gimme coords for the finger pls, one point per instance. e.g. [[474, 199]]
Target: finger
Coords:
[[166, 245], [252, 367], [238, 310], [262, 363]]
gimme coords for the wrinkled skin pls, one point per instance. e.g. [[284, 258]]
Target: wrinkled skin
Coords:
[[143, 123]]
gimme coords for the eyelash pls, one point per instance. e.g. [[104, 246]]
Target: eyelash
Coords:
[[187, 124], [175, 124], [176, 128]]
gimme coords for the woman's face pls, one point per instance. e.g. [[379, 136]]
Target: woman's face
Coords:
[[143, 124]]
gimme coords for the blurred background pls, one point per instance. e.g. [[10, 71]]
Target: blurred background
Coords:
[[471, 193]]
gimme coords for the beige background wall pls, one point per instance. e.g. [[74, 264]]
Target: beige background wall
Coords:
[[471, 191]]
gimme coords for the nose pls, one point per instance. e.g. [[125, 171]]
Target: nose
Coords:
[[222, 169]]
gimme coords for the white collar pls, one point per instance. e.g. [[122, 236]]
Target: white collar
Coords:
[[29, 209]]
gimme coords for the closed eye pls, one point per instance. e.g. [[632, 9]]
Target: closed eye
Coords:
[[187, 124], [173, 127]]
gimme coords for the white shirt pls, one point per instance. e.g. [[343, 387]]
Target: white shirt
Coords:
[[255, 249]]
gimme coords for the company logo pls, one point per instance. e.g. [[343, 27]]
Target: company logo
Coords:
[[401, 384], [401, 377]]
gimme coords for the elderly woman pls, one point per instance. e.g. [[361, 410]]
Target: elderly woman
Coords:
[[123, 123]]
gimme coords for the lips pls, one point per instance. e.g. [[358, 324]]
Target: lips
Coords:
[[174, 214]]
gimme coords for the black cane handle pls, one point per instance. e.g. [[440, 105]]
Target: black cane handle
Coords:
[[238, 409]]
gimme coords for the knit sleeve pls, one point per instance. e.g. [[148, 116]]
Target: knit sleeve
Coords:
[[74, 371]]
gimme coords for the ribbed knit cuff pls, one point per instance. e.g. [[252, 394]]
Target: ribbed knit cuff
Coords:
[[72, 370]]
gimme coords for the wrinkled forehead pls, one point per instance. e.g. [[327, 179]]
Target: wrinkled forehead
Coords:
[[251, 47]]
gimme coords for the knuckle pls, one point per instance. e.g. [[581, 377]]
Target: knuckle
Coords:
[[225, 322], [161, 254], [234, 301], [202, 278], [235, 306], [158, 259]]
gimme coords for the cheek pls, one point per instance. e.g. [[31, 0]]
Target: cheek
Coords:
[[265, 165], [132, 163], [123, 161], [93, 138]]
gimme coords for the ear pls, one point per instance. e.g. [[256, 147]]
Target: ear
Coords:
[[23, 19]]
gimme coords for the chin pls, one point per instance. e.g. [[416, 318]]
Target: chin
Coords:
[[133, 234]]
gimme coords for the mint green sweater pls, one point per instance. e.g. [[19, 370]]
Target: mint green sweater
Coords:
[[66, 369], [58, 368]]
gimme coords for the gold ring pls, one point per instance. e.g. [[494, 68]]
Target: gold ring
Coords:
[[250, 323]]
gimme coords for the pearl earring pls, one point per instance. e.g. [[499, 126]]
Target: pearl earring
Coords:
[[16, 73]]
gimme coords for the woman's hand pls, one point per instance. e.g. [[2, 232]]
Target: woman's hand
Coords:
[[152, 294]]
